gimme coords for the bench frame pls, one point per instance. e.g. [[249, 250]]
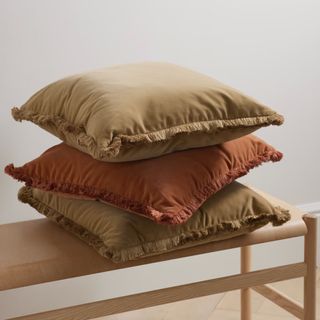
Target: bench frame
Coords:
[[246, 281]]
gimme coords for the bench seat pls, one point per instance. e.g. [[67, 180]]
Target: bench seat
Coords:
[[39, 251]]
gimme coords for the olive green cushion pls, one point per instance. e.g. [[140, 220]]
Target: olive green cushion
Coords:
[[121, 236], [140, 111]]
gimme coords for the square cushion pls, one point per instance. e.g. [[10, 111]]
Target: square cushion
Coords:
[[140, 111], [121, 236], [167, 189]]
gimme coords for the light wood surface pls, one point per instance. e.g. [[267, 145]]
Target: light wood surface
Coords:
[[162, 296], [310, 258], [281, 300], [39, 251], [223, 306], [245, 256]]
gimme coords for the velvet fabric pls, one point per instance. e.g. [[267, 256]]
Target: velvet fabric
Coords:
[[145, 110], [167, 189], [119, 235]]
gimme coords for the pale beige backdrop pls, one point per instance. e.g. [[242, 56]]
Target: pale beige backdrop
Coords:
[[269, 49]]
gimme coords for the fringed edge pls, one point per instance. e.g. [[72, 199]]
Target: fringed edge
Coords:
[[200, 195], [250, 223], [109, 148], [213, 187], [89, 192], [25, 195]]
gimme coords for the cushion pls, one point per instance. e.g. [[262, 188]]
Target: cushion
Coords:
[[121, 236], [167, 189], [140, 111]]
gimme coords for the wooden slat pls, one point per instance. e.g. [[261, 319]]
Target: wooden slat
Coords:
[[245, 266], [281, 300], [167, 295], [39, 251], [310, 258]]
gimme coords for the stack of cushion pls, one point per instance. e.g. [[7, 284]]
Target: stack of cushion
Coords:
[[148, 160]]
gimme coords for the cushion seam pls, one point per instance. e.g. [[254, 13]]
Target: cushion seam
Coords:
[[109, 148]]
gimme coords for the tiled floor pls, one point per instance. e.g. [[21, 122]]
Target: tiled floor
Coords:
[[224, 306]]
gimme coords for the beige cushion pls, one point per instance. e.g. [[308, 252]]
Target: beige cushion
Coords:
[[121, 236], [143, 110]]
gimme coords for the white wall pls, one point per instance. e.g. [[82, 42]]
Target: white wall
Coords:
[[269, 49]]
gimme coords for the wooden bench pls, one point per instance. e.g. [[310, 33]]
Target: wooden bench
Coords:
[[39, 251]]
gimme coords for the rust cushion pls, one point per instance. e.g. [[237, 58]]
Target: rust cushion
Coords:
[[167, 189]]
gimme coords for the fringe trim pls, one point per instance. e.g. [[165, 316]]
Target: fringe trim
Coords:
[[201, 194], [277, 218], [110, 148]]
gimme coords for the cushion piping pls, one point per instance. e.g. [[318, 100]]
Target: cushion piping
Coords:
[[109, 148], [278, 217]]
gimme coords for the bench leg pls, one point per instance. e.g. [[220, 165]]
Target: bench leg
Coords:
[[310, 258], [245, 293]]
